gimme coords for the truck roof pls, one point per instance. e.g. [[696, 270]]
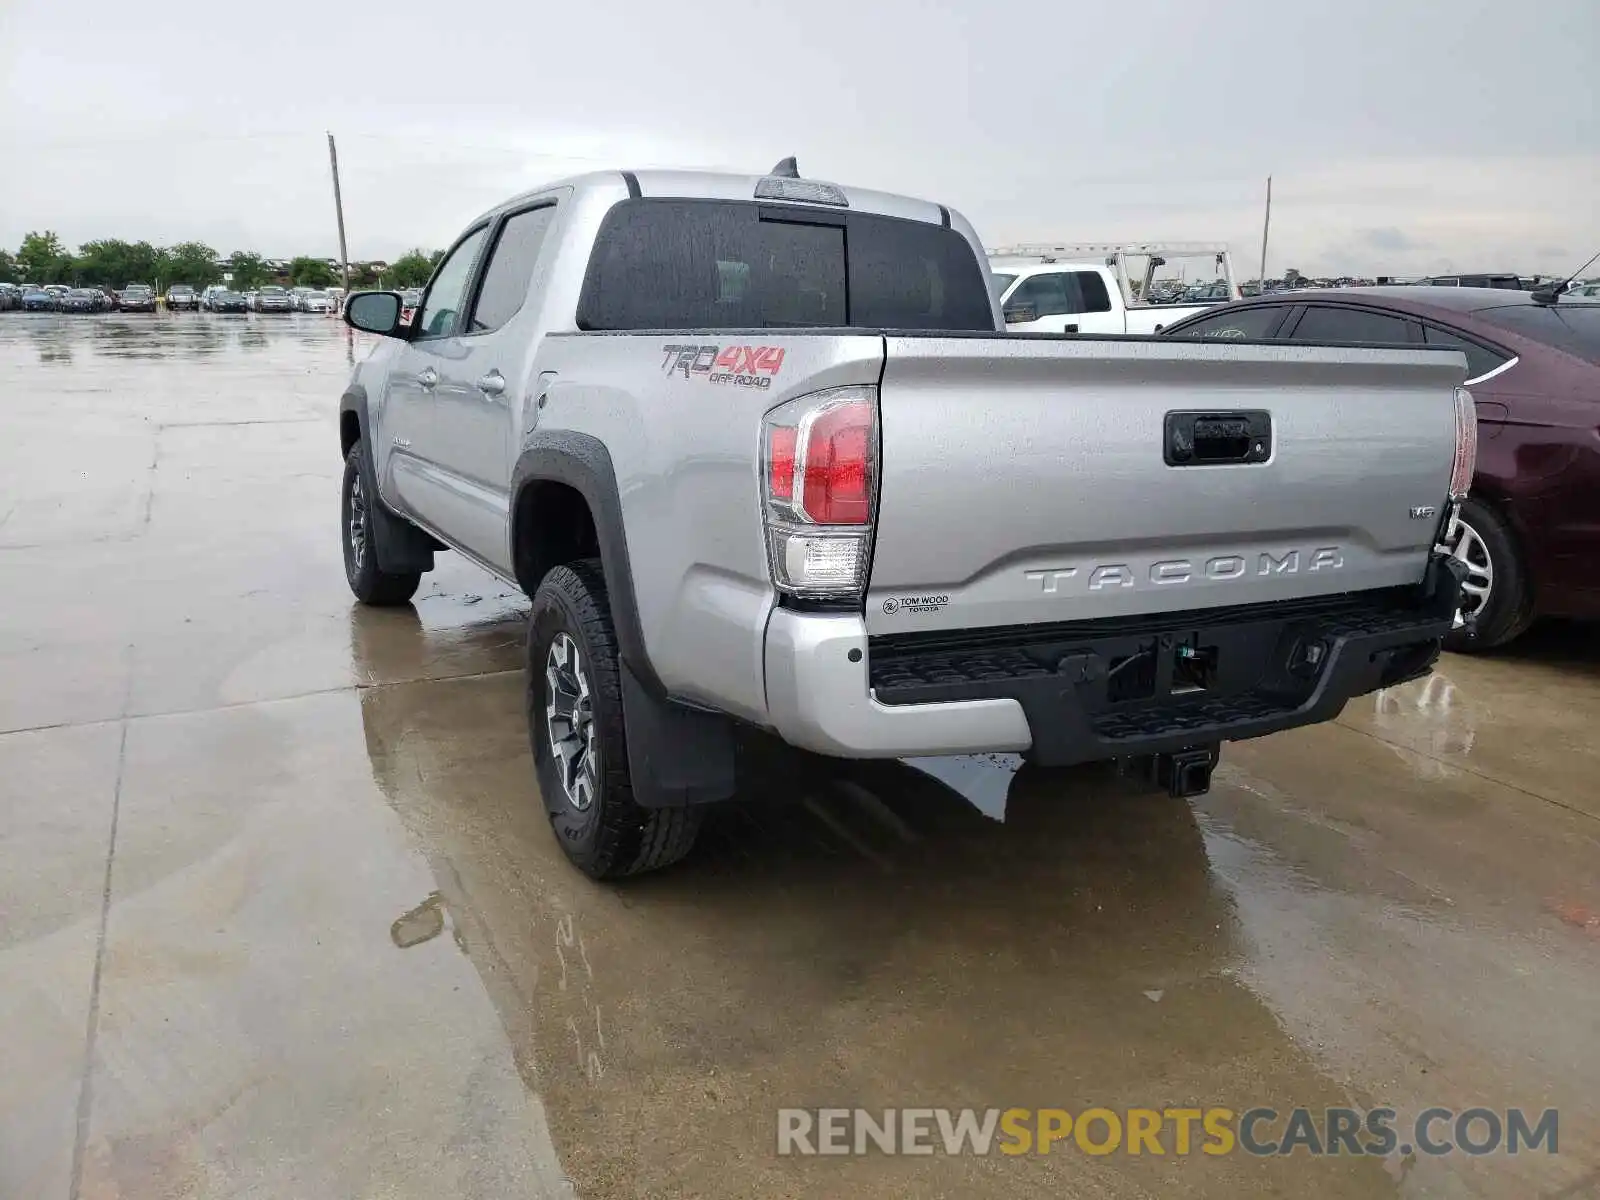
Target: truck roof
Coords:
[[715, 185]]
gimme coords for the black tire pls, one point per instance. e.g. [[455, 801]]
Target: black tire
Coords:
[[380, 589], [610, 836], [1509, 607]]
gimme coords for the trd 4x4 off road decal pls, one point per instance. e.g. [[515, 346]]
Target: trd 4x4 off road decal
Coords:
[[742, 366]]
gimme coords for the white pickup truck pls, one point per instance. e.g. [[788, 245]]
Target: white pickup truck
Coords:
[[1049, 288]]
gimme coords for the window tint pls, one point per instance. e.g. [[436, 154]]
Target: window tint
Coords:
[[442, 307], [1574, 328], [1063, 293], [510, 269], [1092, 290], [1257, 322], [1326, 324], [1000, 281], [707, 264], [1480, 360], [1044, 294]]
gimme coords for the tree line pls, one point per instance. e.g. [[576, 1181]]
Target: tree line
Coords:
[[111, 262]]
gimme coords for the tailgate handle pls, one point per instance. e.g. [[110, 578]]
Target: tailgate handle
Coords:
[[1205, 439]]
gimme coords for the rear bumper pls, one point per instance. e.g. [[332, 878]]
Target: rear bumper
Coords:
[[1097, 690]]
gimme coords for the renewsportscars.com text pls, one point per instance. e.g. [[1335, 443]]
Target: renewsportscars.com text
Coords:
[[1257, 1131]]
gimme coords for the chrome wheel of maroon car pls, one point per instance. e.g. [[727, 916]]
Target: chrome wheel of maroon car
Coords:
[[1467, 546]]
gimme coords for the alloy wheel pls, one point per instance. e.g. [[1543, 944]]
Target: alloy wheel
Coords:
[[358, 524], [569, 720], [1466, 545]]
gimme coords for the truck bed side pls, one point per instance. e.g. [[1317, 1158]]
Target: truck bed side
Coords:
[[684, 438]]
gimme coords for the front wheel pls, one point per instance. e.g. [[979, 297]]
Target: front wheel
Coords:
[[579, 741], [371, 585], [1496, 601]]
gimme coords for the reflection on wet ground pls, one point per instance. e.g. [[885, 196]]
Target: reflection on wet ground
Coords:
[[280, 913]]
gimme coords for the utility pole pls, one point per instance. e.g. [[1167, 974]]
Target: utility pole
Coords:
[[1266, 224], [338, 208]]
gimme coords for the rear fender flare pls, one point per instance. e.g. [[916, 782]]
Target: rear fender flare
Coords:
[[583, 463], [678, 754]]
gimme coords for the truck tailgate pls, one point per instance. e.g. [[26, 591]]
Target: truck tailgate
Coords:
[[1027, 480]]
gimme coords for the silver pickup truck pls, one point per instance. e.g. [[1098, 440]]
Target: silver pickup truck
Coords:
[[762, 456]]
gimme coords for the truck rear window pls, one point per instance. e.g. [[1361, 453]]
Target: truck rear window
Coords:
[[715, 264]]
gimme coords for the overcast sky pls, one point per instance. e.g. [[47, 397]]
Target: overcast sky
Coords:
[[1403, 135]]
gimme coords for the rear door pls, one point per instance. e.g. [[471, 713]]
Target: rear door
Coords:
[[1026, 482], [482, 386]]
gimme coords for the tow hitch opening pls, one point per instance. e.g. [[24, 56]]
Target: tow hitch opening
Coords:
[[1187, 772]]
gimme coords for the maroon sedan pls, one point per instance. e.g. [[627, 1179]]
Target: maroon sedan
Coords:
[[1530, 532]]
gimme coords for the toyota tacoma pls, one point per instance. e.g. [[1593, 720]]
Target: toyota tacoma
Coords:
[[762, 455]]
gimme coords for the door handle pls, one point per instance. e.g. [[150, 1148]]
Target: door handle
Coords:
[[1195, 439], [427, 377], [492, 384]]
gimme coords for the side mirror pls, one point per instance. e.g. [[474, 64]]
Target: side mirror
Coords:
[[376, 312], [1017, 313]]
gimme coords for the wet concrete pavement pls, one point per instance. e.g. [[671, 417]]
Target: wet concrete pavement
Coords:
[[280, 914]]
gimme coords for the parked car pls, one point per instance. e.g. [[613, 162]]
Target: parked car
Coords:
[[679, 426], [228, 302], [137, 297], [10, 297], [316, 302], [272, 299], [36, 299], [182, 298], [84, 300], [1501, 282], [1088, 289], [1528, 533]]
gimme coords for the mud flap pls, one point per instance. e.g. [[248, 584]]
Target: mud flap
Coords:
[[677, 756], [401, 547]]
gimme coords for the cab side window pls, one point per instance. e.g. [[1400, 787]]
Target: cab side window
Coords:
[[510, 269], [1062, 293], [441, 308], [1092, 293], [1044, 294]]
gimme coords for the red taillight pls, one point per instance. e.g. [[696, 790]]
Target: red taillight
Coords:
[[780, 462], [820, 474], [838, 482]]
